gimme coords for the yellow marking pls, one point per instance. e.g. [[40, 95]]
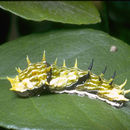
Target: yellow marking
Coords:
[[55, 62], [101, 75], [10, 79], [44, 56], [126, 91], [18, 70], [48, 69], [76, 63], [111, 79], [122, 85], [28, 61], [64, 65], [46, 83]]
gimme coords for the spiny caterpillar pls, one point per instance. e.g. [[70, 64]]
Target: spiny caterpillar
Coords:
[[42, 77]]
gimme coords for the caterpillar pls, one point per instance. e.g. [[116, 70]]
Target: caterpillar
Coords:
[[42, 77]]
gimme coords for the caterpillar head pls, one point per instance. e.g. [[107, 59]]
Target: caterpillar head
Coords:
[[33, 79]]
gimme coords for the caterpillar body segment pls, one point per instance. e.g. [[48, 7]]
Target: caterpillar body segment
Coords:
[[33, 80], [41, 77]]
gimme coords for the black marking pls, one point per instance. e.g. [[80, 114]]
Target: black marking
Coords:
[[36, 91], [103, 72], [49, 74], [91, 65], [92, 91], [80, 81], [113, 76], [111, 82], [100, 78]]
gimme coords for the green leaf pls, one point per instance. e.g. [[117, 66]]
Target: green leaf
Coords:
[[73, 12], [62, 111]]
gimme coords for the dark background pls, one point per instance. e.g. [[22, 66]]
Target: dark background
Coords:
[[115, 21]]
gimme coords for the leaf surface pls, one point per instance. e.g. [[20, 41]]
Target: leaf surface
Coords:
[[62, 111], [73, 12]]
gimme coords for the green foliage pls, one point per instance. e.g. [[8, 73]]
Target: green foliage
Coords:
[[55, 111], [62, 111], [59, 11]]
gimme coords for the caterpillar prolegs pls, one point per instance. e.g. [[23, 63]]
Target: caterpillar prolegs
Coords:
[[42, 77]]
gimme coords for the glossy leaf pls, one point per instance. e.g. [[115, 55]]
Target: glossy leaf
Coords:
[[62, 111], [73, 12]]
